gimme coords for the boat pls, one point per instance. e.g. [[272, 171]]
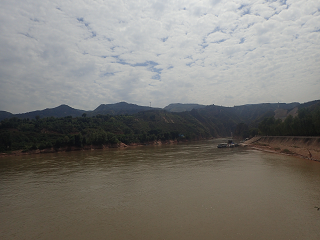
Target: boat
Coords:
[[222, 145], [229, 144]]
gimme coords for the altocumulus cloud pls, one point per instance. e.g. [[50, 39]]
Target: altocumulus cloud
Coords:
[[84, 52]]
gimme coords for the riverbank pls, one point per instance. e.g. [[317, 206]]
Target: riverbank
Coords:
[[86, 148], [305, 147]]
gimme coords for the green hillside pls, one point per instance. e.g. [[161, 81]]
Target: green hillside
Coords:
[[179, 107], [143, 127], [153, 125]]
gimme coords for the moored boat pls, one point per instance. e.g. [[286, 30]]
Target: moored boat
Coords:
[[229, 144], [222, 145]]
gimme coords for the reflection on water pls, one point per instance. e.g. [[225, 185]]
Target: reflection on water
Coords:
[[182, 191]]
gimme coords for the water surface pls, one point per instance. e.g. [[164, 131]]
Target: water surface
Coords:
[[182, 191]]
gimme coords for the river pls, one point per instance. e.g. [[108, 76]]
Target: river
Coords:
[[179, 191]]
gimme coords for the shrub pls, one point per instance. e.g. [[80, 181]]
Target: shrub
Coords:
[[286, 151]]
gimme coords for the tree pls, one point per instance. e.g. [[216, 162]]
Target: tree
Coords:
[[288, 125], [78, 140], [266, 125], [242, 130]]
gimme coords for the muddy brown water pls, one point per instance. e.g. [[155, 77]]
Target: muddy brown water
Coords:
[[182, 191]]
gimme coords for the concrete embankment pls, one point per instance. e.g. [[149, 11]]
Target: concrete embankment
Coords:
[[307, 147]]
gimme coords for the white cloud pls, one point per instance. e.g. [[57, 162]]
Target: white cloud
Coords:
[[84, 53]]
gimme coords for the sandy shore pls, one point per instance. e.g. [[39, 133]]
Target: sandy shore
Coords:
[[305, 147]]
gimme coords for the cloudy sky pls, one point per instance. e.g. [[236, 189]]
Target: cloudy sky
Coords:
[[87, 52]]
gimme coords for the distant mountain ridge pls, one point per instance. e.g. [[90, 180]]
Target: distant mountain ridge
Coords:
[[60, 111], [251, 112], [120, 108], [130, 123], [217, 115], [5, 114], [182, 107], [64, 110]]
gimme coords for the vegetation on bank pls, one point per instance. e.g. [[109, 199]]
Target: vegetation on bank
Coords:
[[154, 125], [41, 133], [307, 123]]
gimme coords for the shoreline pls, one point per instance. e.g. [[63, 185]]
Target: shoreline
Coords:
[[87, 148], [302, 147], [282, 153]]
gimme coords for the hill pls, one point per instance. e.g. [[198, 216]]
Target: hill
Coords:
[[60, 111], [120, 108], [67, 132], [250, 112], [50, 130], [181, 107], [246, 113], [5, 114], [219, 120]]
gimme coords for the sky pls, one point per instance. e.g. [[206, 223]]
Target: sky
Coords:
[[84, 53]]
